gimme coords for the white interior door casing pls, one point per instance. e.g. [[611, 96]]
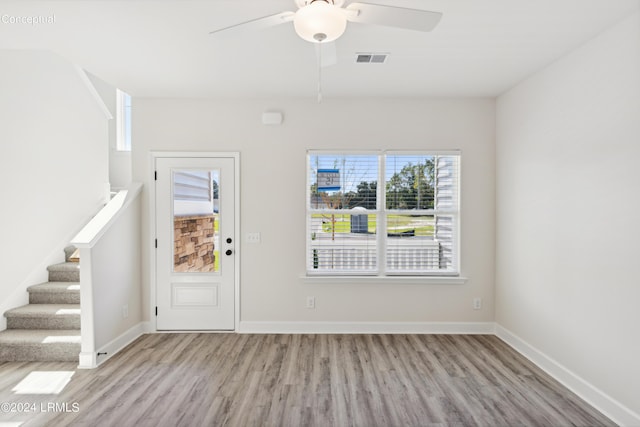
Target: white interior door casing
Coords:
[[195, 254]]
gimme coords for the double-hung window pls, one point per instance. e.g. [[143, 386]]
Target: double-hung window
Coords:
[[389, 213]]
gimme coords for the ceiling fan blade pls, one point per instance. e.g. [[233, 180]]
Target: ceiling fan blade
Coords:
[[392, 16], [259, 23], [326, 54]]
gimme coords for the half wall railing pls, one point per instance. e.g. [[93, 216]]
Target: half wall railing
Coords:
[[110, 284]]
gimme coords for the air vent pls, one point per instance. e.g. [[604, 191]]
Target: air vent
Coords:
[[371, 58]]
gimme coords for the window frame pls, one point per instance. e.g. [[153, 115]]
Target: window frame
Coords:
[[382, 272], [123, 121]]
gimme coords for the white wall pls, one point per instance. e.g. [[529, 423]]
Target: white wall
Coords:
[[53, 166], [271, 288], [568, 229], [119, 161], [116, 277]]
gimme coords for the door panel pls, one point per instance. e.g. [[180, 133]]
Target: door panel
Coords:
[[195, 267]]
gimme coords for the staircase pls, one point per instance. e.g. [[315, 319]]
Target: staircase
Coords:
[[48, 328]]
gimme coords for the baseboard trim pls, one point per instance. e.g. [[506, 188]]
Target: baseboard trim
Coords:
[[248, 327], [147, 327], [87, 360], [611, 408], [120, 342]]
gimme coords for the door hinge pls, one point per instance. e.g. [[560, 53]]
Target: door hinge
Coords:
[[156, 243], [156, 310], [155, 175]]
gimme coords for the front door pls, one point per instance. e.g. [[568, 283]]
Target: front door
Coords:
[[195, 267]]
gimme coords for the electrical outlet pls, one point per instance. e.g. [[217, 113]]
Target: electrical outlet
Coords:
[[125, 311], [252, 237], [311, 302], [477, 303]]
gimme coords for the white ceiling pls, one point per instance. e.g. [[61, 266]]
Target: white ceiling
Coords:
[[163, 49]]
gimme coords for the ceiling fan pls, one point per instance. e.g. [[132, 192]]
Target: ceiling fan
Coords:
[[323, 21]]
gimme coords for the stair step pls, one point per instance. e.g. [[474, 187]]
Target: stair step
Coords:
[[39, 345], [71, 254], [75, 257], [44, 316], [54, 293], [64, 272]]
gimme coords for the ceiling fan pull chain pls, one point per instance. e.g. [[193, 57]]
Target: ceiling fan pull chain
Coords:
[[319, 73]]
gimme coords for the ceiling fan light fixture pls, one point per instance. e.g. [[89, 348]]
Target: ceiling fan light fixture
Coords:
[[319, 22]]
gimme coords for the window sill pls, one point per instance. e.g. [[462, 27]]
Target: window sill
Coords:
[[121, 153], [368, 280]]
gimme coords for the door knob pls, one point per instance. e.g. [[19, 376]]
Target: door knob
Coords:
[[229, 240], [229, 252]]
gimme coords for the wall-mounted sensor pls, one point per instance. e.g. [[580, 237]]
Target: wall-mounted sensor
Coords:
[[272, 118]]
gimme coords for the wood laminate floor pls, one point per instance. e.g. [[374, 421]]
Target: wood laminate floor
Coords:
[[296, 380]]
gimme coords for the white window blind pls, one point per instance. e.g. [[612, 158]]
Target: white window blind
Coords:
[[421, 213], [342, 213], [406, 226]]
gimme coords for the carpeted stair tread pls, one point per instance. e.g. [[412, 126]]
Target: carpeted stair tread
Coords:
[[64, 272], [72, 287], [64, 266], [45, 310], [55, 293], [48, 328], [17, 345], [40, 336], [44, 316]]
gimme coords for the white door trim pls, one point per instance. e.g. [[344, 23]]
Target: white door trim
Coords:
[[153, 155]]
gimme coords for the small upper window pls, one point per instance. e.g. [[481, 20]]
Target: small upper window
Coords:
[[123, 121]]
